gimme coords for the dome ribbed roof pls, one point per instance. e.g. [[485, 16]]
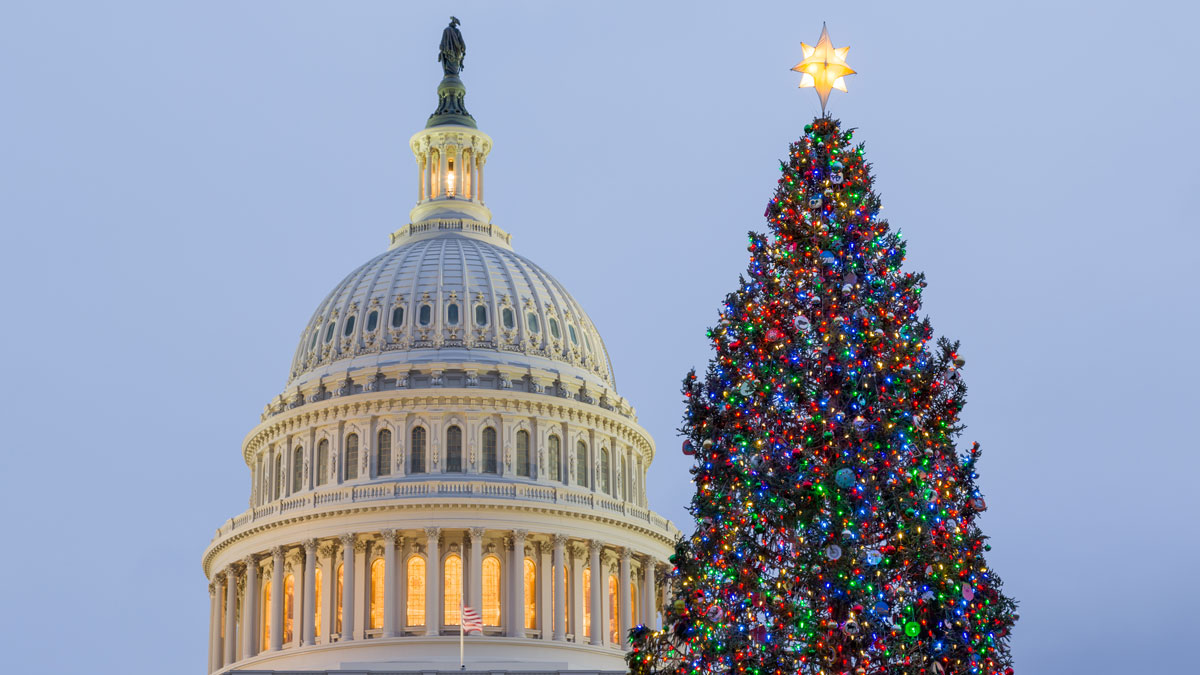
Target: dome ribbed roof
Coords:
[[452, 297]]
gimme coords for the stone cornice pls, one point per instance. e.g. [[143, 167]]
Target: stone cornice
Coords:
[[665, 534]]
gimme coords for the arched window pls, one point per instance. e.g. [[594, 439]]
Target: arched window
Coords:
[[530, 594], [372, 320], [613, 597], [297, 469], [417, 451], [398, 317], [383, 453], [264, 619], [555, 458], [603, 478], [508, 319], [452, 579], [581, 464], [622, 482], [289, 605], [489, 450], [317, 605], [587, 601], [523, 453], [416, 591], [350, 466], [452, 314], [278, 477], [322, 461], [454, 451], [491, 591], [337, 600], [378, 586], [634, 601]]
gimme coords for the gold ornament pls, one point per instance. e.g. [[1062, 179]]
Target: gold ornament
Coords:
[[824, 67]]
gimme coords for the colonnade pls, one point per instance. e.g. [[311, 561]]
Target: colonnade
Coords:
[[433, 178], [364, 586]]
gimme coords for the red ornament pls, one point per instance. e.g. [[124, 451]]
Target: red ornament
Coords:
[[774, 335]]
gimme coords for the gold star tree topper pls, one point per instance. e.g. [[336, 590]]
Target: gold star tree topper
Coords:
[[824, 67]]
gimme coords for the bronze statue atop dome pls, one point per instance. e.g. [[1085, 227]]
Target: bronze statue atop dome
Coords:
[[452, 49]]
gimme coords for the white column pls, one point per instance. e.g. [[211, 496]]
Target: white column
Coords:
[[625, 606], [479, 162], [597, 596], [277, 598], [230, 645], [250, 608], [309, 630], [420, 178], [443, 166], [348, 544], [648, 613], [214, 631], [389, 583], [433, 586], [578, 594], [475, 579], [560, 593], [517, 575]]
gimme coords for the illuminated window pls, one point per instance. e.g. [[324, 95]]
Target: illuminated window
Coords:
[[491, 591], [349, 326], [555, 458], [603, 478], [489, 450], [378, 585], [383, 457], [417, 452], [523, 453], [634, 601], [372, 320], [297, 469], [289, 604], [317, 605], [322, 461], [454, 451], [453, 598], [337, 602], [265, 618], [416, 591], [530, 594], [613, 598], [581, 464], [398, 317], [350, 467], [587, 601]]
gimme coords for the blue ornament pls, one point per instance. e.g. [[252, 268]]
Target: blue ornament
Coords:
[[881, 607], [828, 258], [874, 557], [844, 477]]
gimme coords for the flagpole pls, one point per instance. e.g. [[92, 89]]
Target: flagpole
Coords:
[[461, 617]]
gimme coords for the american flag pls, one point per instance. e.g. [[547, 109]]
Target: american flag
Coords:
[[471, 620]]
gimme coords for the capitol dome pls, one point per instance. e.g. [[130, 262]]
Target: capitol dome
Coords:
[[449, 444]]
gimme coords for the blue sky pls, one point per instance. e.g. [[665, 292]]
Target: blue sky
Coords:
[[181, 183]]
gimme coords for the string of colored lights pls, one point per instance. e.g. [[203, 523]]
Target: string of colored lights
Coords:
[[836, 522]]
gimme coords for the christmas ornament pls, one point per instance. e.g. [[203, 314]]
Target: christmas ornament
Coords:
[[833, 551], [688, 448], [912, 629], [801, 323], [824, 67], [844, 477]]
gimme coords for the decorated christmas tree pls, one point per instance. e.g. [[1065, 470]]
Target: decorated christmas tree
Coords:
[[836, 518]]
